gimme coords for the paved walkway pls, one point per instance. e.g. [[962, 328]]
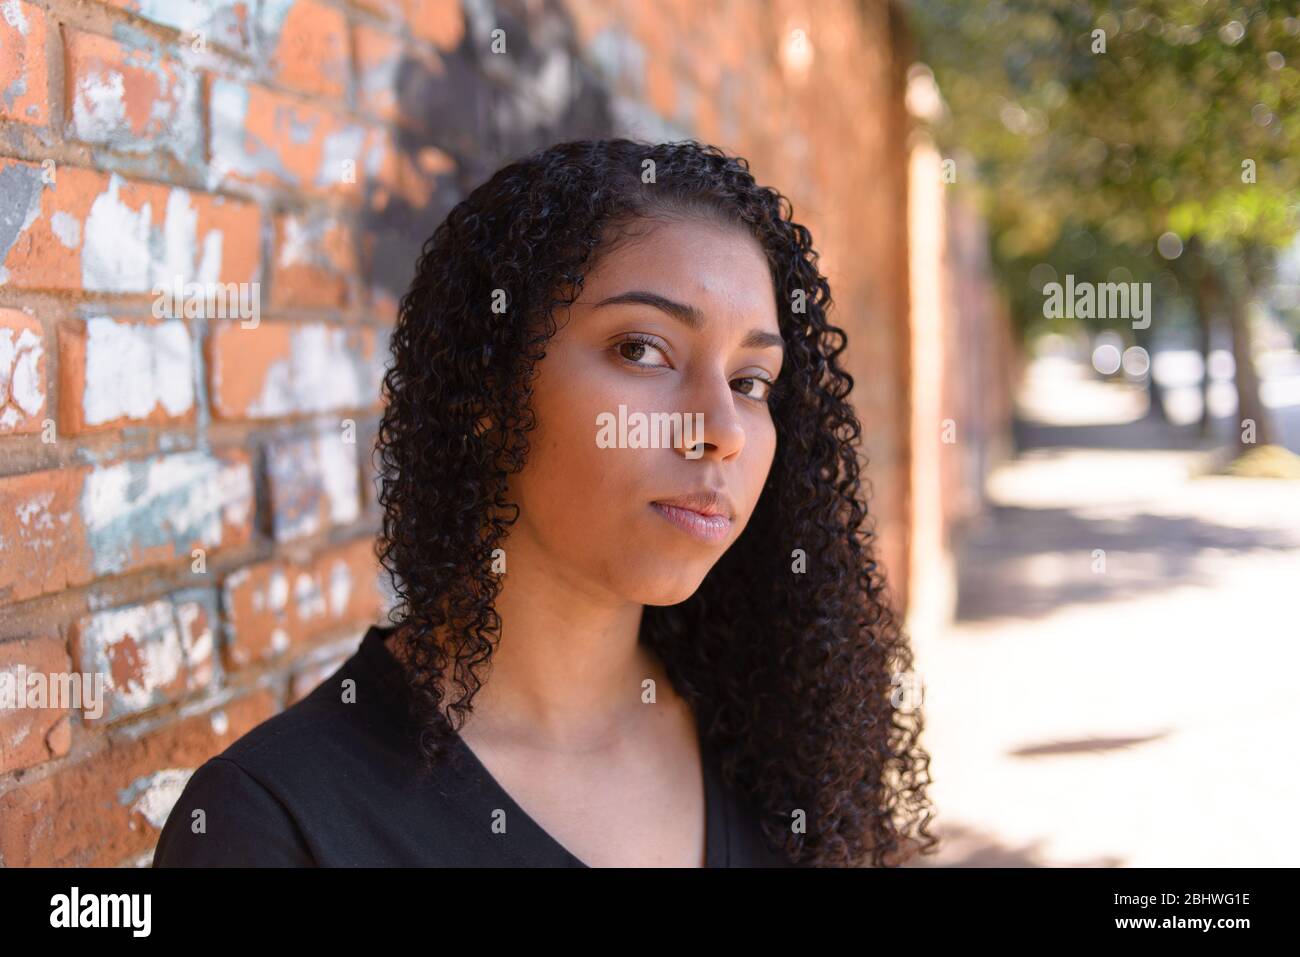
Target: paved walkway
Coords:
[[1144, 712]]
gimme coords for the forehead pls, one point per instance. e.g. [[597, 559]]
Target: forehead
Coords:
[[712, 266]]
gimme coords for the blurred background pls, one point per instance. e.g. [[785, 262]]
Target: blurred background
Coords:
[[1064, 239]]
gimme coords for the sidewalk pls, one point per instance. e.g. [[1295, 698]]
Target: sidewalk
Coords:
[[1141, 713]]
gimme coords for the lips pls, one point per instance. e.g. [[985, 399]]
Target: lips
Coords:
[[706, 502], [706, 515]]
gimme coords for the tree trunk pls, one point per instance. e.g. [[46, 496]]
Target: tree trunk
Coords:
[[1193, 272], [1250, 408], [1155, 396]]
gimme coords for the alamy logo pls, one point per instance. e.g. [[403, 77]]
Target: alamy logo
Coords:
[[211, 300], [102, 910], [656, 430], [1106, 300], [20, 688]]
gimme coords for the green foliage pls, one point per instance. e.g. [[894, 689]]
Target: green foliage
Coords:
[[1160, 132]]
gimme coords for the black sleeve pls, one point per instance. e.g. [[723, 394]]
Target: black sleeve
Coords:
[[245, 825]]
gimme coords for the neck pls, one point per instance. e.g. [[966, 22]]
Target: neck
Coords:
[[568, 672]]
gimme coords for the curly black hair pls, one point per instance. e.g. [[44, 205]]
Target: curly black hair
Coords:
[[804, 714]]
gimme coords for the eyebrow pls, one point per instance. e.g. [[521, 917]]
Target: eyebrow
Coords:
[[689, 316]]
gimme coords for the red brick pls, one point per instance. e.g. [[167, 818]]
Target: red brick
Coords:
[[116, 372], [88, 231], [111, 806], [314, 484], [390, 9], [24, 70], [439, 21], [155, 511], [134, 99], [283, 369], [276, 606], [312, 50], [264, 138], [379, 55], [224, 22], [31, 735], [65, 527], [22, 373], [149, 654], [44, 537], [312, 261], [661, 90]]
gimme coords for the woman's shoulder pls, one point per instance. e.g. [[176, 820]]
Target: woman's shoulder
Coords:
[[259, 801], [226, 817]]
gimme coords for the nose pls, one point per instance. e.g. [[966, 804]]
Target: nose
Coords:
[[717, 431]]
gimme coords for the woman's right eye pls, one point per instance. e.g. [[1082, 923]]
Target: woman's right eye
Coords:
[[634, 350]]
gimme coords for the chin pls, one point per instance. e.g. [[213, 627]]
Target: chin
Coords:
[[673, 587]]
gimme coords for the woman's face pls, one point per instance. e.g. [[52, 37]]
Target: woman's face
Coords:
[[681, 319]]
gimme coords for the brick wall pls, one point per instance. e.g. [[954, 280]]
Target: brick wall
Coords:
[[964, 361], [186, 502]]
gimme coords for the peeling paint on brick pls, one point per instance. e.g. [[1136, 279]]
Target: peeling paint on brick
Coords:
[[42, 546], [162, 506], [275, 605], [340, 147], [138, 648], [152, 796], [150, 653], [128, 94], [340, 587], [117, 255], [308, 597], [99, 106], [220, 722], [314, 483], [280, 369], [24, 71], [20, 205], [196, 619], [233, 148], [67, 228], [133, 368], [124, 253], [261, 136], [12, 12], [219, 21], [270, 18], [277, 594], [303, 241], [22, 390], [134, 236], [314, 256]]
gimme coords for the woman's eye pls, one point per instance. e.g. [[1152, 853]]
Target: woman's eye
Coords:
[[633, 350], [762, 388]]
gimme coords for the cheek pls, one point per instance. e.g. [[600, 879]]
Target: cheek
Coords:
[[760, 452], [571, 485]]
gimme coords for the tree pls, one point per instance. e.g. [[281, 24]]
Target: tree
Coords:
[[1160, 125]]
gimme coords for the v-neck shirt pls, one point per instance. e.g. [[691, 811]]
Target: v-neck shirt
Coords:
[[336, 780]]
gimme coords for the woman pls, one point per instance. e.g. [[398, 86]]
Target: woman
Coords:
[[615, 644]]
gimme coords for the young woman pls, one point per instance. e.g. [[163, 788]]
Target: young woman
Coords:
[[613, 645]]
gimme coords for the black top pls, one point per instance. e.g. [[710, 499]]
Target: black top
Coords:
[[331, 783]]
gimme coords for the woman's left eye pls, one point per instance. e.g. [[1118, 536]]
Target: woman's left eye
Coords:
[[762, 386]]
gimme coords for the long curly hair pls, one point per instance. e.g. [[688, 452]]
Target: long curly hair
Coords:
[[789, 644]]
